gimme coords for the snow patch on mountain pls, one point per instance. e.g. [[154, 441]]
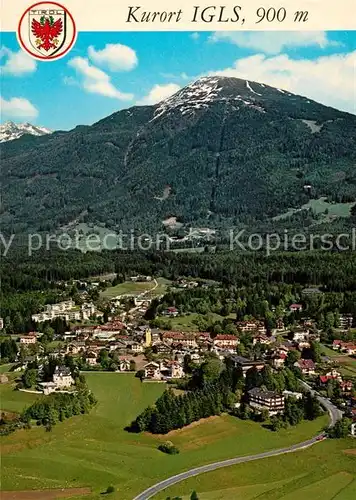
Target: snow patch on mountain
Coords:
[[10, 131], [202, 93], [251, 89]]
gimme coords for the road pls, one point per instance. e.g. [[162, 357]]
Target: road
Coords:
[[334, 415]]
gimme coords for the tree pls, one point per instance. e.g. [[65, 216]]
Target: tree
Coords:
[[209, 370], [341, 429], [276, 423], [312, 408], [8, 350], [194, 496], [29, 378], [110, 489], [292, 357]]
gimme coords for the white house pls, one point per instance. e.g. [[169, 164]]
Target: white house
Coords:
[[62, 377]]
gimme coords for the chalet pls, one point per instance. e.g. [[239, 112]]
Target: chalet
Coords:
[[291, 394], [332, 375], [75, 347], [225, 341], [346, 386], [303, 344], [195, 357], [47, 387], [161, 348], [337, 344], [135, 347], [203, 338], [278, 360], [152, 371], [91, 358], [171, 337], [62, 377], [171, 369], [269, 400], [246, 364], [306, 366], [300, 335], [346, 347], [28, 339], [117, 345], [180, 339], [262, 339], [346, 321], [296, 308], [251, 326], [124, 365], [170, 311]]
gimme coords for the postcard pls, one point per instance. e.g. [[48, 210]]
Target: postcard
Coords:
[[177, 240]]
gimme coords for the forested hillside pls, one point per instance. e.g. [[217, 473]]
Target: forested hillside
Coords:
[[220, 151]]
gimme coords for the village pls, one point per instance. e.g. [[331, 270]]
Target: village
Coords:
[[128, 343]]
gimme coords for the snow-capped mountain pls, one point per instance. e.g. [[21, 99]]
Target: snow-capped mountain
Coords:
[[233, 152], [205, 91], [10, 131]]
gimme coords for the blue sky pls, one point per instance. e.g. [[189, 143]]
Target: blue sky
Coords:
[[124, 69]]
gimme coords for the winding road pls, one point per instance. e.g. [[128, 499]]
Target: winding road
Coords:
[[334, 415]]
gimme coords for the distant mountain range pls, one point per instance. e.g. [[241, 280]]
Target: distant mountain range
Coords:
[[220, 152], [10, 131]]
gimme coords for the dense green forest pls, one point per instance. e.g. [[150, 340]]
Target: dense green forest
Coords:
[[30, 282]]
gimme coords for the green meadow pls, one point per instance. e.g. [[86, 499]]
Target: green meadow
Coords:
[[326, 471], [95, 451]]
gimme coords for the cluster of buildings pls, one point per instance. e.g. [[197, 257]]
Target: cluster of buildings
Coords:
[[344, 346], [68, 311]]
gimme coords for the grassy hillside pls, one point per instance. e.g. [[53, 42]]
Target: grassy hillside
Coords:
[[326, 471], [95, 451]]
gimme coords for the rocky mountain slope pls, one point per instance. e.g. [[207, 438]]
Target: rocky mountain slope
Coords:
[[221, 151]]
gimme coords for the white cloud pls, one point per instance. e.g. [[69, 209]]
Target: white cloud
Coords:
[[95, 80], [329, 80], [115, 57], [273, 42], [17, 63], [195, 36], [18, 107], [158, 93]]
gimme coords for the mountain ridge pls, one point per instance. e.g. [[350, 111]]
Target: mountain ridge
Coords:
[[231, 151]]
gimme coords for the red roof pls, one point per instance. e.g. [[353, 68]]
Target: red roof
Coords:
[[174, 335], [225, 337], [306, 363], [295, 306]]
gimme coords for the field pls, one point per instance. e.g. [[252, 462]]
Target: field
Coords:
[[136, 288], [346, 364], [320, 206], [186, 323], [326, 471], [130, 287], [95, 451]]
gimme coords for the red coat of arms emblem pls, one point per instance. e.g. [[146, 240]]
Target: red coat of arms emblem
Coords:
[[47, 31]]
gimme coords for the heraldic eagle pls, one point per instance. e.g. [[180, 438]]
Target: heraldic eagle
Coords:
[[46, 32]]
